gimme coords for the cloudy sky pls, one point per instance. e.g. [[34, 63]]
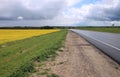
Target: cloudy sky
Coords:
[[59, 12]]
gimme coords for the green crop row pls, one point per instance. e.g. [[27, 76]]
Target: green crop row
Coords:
[[16, 58]]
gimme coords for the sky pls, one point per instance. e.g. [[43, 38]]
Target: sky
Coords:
[[59, 12]]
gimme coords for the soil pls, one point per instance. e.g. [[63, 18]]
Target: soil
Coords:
[[78, 58]]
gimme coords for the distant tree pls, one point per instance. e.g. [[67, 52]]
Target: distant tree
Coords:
[[113, 25]]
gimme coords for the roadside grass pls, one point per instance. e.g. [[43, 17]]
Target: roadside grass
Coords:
[[52, 75], [16, 58], [103, 29]]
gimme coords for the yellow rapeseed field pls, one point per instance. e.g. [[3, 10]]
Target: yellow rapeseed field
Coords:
[[11, 34]]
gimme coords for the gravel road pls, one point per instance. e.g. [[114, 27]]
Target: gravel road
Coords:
[[80, 59]]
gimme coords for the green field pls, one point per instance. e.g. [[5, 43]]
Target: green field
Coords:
[[16, 58], [102, 29]]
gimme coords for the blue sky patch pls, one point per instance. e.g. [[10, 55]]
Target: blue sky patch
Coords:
[[85, 2]]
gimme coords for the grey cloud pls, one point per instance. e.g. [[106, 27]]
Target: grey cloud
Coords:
[[105, 14], [48, 10]]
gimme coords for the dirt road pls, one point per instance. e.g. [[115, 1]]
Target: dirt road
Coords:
[[80, 59]]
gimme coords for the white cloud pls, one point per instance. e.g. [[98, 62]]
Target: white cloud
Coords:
[[101, 13], [107, 10], [61, 12], [80, 15], [20, 18], [30, 9], [72, 2]]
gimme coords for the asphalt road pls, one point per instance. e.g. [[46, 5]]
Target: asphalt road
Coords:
[[109, 43]]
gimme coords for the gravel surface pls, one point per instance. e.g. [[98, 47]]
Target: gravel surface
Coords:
[[79, 58]]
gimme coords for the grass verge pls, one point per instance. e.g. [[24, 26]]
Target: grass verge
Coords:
[[103, 29], [16, 58]]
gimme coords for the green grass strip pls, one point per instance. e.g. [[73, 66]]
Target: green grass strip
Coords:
[[102, 29], [16, 58]]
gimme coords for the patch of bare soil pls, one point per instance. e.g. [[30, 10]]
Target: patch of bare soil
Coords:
[[78, 58]]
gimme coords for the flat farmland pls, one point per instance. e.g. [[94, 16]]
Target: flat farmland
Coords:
[[17, 57], [12, 34]]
